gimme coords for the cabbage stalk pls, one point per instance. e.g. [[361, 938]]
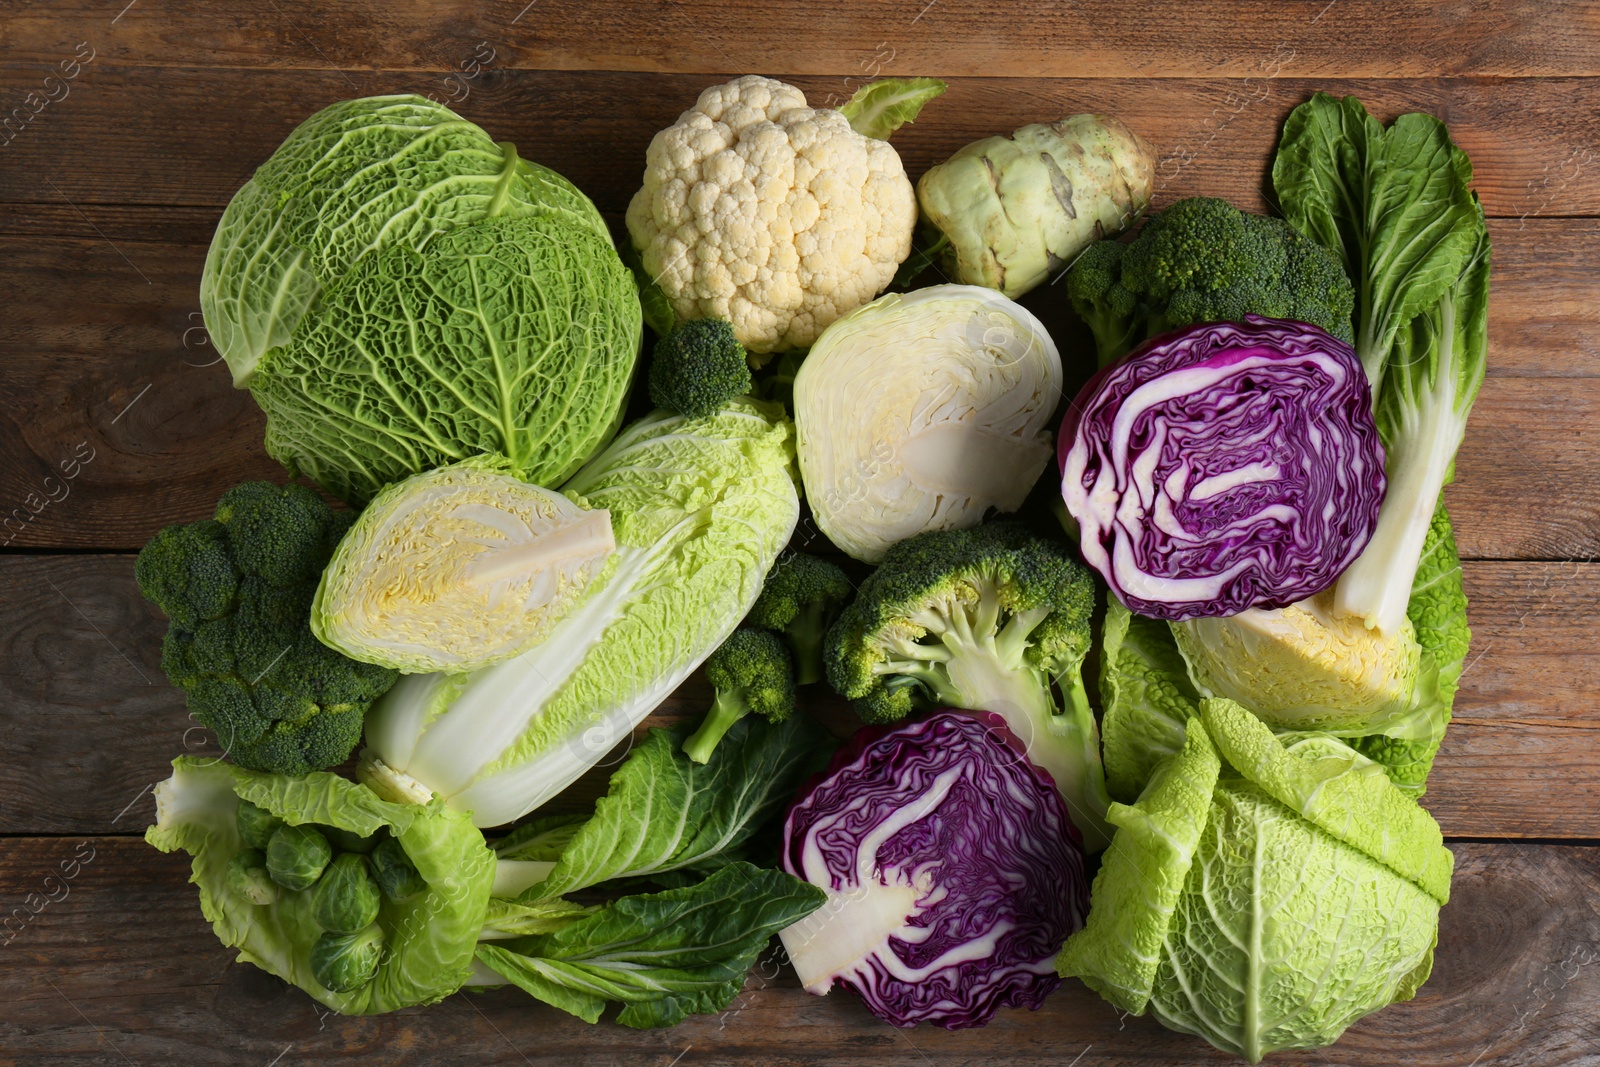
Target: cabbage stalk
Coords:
[[922, 411], [700, 509]]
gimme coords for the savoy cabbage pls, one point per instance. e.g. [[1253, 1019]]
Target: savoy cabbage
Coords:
[[399, 291]]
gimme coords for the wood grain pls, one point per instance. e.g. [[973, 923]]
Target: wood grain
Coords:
[[104, 352], [1531, 140], [86, 703], [1078, 38], [108, 197], [1514, 983]]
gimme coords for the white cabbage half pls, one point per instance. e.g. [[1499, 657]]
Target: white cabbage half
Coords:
[[921, 411]]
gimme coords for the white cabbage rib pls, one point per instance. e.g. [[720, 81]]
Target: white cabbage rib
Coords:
[[923, 411], [457, 569]]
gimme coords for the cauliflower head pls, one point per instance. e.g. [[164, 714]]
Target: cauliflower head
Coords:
[[773, 215]]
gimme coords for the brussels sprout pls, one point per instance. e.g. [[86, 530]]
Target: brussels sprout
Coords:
[[247, 876], [345, 898], [346, 962], [395, 873], [256, 825], [297, 856], [348, 840]]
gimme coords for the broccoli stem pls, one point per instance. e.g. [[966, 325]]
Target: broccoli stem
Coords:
[[986, 669], [728, 708], [805, 641]]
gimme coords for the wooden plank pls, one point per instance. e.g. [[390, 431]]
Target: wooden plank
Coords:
[[1081, 39], [1513, 984], [159, 137], [105, 357], [86, 702], [1544, 319]]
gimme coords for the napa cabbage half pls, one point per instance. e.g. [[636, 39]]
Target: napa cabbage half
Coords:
[[699, 510]]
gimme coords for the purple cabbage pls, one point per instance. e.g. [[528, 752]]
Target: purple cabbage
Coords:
[[953, 873], [1224, 467]]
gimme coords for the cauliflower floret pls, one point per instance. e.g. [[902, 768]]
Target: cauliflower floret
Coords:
[[773, 215]]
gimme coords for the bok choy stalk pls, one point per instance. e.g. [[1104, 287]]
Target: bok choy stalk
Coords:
[[699, 509], [1435, 370], [1395, 205]]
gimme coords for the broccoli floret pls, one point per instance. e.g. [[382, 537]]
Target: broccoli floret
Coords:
[[802, 597], [238, 590], [1202, 260], [752, 672], [698, 368], [992, 619], [1109, 308]]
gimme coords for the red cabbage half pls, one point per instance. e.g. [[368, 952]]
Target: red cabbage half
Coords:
[[1223, 467], [953, 873]]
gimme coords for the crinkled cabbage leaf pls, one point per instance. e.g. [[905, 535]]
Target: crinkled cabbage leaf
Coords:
[[1263, 897]]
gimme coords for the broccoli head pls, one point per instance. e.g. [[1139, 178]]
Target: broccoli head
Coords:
[[1203, 260], [989, 619], [751, 672], [802, 597], [237, 590], [1107, 307], [697, 368]]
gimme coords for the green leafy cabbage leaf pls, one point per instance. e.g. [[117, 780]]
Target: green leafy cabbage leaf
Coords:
[[663, 955], [516, 336], [1146, 698], [428, 937], [665, 812], [356, 176]]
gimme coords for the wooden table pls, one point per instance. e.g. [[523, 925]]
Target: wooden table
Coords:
[[116, 419]]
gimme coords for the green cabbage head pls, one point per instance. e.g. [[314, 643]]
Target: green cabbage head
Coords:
[[398, 292], [1263, 896]]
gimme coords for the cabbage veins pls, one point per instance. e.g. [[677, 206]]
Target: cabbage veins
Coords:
[[951, 868], [1224, 467], [399, 292]]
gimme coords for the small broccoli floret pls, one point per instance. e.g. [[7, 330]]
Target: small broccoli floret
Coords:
[[1202, 260], [991, 619], [1197, 243], [1105, 305], [698, 368], [238, 590], [752, 672], [802, 597]]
